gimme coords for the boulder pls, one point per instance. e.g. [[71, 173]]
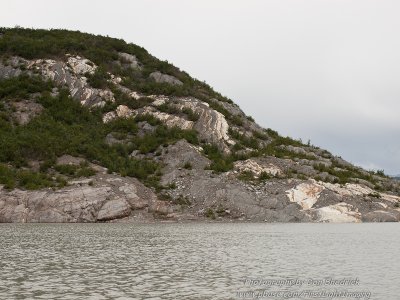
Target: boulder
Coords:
[[129, 60], [114, 209], [165, 78]]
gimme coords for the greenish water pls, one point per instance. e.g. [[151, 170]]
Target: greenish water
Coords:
[[197, 261]]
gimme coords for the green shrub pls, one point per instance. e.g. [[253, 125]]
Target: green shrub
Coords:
[[375, 195], [272, 133], [246, 176], [68, 170], [168, 108], [220, 163], [236, 120], [250, 142], [250, 118], [34, 181], [264, 176], [7, 177], [183, 201], [209, 213], [23, 86], [192, 116], [99, 79], [187, 165]]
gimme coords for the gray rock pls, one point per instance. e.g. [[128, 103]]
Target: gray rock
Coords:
[[110, 197], [145, 128], [25, 110], [70, 160], [9, 71], [342, 163], [381, 216], [114, 209], [130, 60], [165, 78]]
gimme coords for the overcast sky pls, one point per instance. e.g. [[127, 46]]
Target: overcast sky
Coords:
[[324, 70]]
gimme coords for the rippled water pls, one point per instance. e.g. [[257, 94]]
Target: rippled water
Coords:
[[193, 261]]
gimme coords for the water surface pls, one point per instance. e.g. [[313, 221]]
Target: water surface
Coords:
[[195, 261]]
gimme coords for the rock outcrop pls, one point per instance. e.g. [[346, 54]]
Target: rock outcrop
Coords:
[[165, 78], [70, 74], [338, 213], [252, 173], [256, 169], [25, 110], [100, 198], [129, 60]]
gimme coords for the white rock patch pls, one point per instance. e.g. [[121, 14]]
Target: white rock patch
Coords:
[[252, 166], [305, 194], [338, 213], [169, 120], [122, 111], [81, 66], [71, 75], [351, 189]]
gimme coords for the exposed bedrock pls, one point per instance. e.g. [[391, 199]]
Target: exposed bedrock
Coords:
[[103, 197]]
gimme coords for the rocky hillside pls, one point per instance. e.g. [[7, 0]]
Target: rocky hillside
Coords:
[[93, 129]]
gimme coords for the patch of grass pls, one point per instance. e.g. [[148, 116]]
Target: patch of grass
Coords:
[[220, 162], [168, 108], [23, 86], [264, 176], [171, 186], [236, 120], [164, 196], [250, 142], [85, 172], [260, 135], [192, 116], [246, 176], [250, 118], [11, 177], [375, 195], [181, 200], [343, 175], [161, 136], [209, 213], [99, 79], [187, 166]]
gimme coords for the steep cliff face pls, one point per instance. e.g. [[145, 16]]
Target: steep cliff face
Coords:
[[94, 130]]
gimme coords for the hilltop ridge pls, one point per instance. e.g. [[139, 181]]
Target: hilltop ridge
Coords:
[[96, 129]]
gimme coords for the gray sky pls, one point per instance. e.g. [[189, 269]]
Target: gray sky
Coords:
[[324, 70]]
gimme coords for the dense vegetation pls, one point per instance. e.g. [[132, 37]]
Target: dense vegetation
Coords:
[[65, 127]]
